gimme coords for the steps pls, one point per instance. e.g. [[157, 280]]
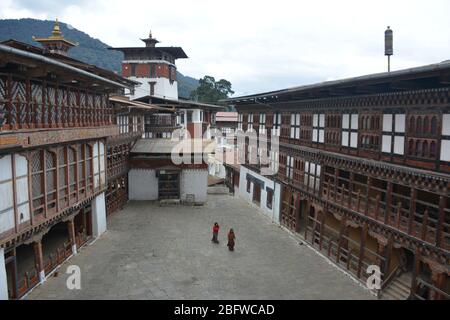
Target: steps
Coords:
[[169, 202], [399, 288]]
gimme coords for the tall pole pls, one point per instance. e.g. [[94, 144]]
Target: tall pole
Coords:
[[388, 46]]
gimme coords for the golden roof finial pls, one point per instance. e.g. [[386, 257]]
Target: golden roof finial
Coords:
[[56, 31]]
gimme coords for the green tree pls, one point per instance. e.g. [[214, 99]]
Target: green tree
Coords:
[[211, 91]]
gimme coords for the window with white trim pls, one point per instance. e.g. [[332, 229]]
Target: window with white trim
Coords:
[[262, 123], [445, 142], [295, 126], [135, 123], [250, 122], [393, 140], [276, 124], [273, 158], [240, 120], [99, 164], [350, 130], [290, 167], [318, 128], [312, 175]]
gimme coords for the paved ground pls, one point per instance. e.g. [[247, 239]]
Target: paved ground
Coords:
[[152, 252]]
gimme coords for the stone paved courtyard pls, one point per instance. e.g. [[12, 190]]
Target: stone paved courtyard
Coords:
[[152, 252]]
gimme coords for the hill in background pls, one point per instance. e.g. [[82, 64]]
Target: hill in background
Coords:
[[89, 50]]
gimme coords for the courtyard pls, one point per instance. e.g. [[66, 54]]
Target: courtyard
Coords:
[[153, 252]]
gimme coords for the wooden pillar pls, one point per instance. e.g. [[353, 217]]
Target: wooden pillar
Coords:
[[424, 226], [387, 213], [350, 190], [438, 280], [416, 272], [369, 183], [412, 209], [442, 203], [362, 247], [313, 236], [308, 211], [39, 259], [322, 227], [336, 181], [341, 233], [399, 215], [377, 207], [71, 229], [387, 254]]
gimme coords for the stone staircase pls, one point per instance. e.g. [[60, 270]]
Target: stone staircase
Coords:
[[169, 202], [399, 288]]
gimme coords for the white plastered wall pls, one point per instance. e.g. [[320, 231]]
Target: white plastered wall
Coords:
[[142, 184], [3, 279], [163, 88], [98, 215], [274, 212], [194, 182]]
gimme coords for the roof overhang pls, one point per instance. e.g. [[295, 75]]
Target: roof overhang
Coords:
[[406, 79]]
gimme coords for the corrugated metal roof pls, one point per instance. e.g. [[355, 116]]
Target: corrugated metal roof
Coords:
[[137, 104], [167, 146]]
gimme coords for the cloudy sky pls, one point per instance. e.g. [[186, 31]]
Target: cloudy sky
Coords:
[[263, 45]]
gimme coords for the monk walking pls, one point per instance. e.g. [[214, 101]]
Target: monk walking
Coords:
[[215, 233], [231, 240]]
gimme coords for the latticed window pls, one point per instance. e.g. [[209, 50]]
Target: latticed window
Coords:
[[62, 177], [350, 130], [276, 124], [51, 111], [394, 133], [50, 175], [312, 175], [318, 128], [81, 168], [72, 170], [262, 123], [89, 180], [290, 167], [37, 182], [295, 126]]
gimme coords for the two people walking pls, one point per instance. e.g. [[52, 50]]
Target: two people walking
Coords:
[[231, 236]]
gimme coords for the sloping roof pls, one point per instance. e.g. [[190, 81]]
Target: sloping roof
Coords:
[[137, 104], [180, 103], [71, 61], [11, 52], [368, 80], [226, 117], [167, 146], [176, 52]]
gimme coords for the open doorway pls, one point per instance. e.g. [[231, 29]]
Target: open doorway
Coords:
[[168, 185]]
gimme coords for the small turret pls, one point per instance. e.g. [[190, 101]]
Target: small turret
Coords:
[[56, 43]]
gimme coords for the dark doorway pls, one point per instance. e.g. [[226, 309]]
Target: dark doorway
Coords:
[[169, 185], [83, 226], [408, 260], [256, 193], [11, 274]]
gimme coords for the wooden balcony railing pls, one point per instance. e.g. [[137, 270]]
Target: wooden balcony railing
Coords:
[[27, 103], [424, 224]]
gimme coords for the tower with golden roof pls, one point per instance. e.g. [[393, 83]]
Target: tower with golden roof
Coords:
[[56, 43]]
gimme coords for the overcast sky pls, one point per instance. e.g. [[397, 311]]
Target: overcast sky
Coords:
[[263, 45]]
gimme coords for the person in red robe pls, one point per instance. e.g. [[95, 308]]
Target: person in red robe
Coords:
[[231, 240], [215, 233]]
